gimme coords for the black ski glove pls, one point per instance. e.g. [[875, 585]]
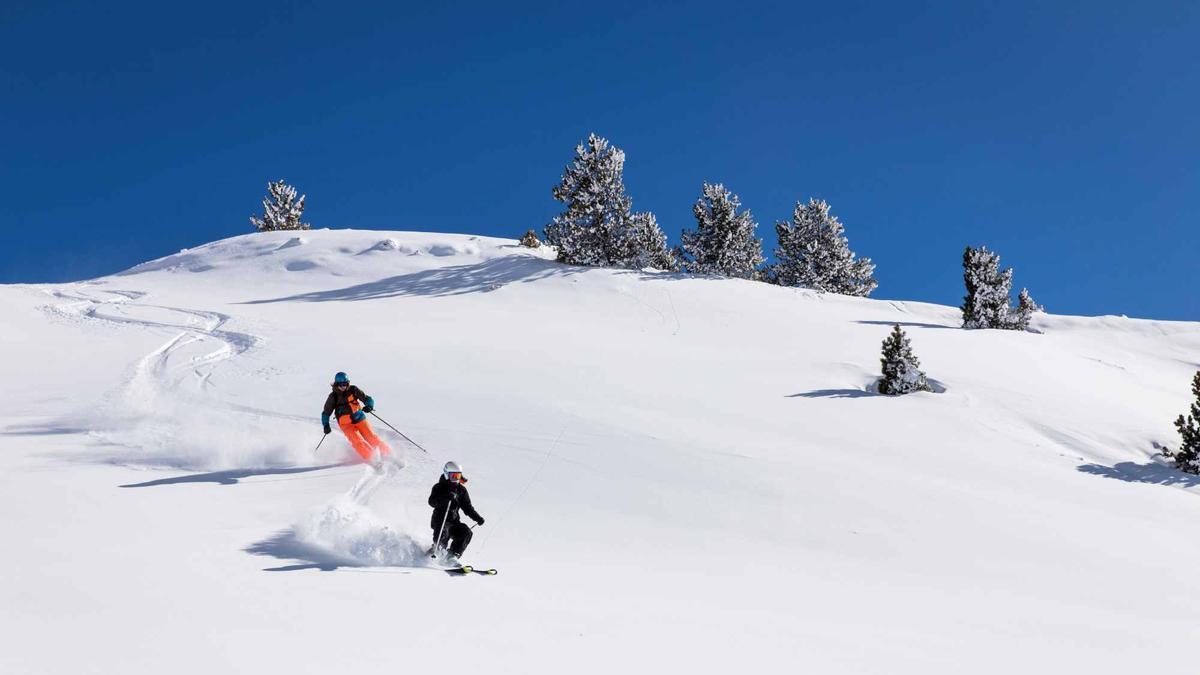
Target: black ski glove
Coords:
[[479, 523], [368, 409], [328, 430]]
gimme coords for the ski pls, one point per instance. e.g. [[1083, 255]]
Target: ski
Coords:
[[467, 569]]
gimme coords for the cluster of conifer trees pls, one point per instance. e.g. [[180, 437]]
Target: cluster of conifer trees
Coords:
[[598, 227]]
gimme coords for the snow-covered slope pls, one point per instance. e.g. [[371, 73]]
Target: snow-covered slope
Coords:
[[678, 474]]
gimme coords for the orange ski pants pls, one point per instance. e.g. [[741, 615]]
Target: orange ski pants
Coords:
[[363, 438]]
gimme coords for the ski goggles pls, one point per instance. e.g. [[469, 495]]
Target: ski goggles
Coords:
[[456, 477], [341, 385]]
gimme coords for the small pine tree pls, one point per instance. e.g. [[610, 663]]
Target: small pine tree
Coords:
[[530, 240], [1020, 317], [723, 241], [814, 253], [986, 302], [281, 209], [901, 369], [1187, 457]]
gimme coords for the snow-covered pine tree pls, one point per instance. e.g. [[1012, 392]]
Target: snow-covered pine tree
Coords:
[[650, 248], [901, 369], [1018, 319], [986, 302], [595, 228], [813, 252], [1187, 457], [281, 209], [530, 239], [723, 241]]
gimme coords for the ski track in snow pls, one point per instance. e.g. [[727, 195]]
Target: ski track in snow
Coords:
[[344, 531], [196, 326], [179, 372]]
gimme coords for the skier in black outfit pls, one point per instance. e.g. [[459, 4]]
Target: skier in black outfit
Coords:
[[447, 497]]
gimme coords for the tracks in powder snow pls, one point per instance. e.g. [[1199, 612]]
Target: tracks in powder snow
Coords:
[[166, 395], [171, 393], [191, 355]]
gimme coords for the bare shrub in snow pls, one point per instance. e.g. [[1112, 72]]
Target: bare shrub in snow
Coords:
[[723, 241], [1187, 457], [281, 209], [814, 253], [766, 274], [901, 369], [986, 304], [597, 228], [530, 240]]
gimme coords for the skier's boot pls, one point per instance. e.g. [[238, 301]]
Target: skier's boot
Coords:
[[448, 558]]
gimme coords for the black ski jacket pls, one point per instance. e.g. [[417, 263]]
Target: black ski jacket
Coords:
[[453, 496], [341, 403]]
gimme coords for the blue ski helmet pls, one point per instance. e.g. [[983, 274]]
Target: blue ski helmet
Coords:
[[341, 378]]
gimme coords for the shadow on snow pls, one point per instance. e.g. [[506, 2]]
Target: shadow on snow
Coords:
[[907, 324], [42, 430], [285, 545], [869, 390], [231, 476], [1150, 472], [443, 281], [835, 393]]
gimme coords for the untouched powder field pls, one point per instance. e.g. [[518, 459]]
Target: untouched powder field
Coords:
[[679, 474]]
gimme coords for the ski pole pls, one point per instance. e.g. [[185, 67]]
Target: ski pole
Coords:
[[418, 445], [438, 542], [319, 443]]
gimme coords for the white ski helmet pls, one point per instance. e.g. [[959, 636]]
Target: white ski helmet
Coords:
[[453, 472]]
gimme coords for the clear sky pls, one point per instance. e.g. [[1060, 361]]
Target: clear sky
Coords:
[[1064, 135]]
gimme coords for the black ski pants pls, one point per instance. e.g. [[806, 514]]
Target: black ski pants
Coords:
[[455, 538]]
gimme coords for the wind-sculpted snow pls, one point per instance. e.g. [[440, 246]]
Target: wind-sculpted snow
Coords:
[[268, 253]]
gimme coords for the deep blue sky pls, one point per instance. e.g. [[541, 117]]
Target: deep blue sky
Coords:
[[1066, 136]]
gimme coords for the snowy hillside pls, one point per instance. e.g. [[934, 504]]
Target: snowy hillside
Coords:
[[678, 474]]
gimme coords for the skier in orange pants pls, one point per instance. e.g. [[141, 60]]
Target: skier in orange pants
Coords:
[[350, 405]]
